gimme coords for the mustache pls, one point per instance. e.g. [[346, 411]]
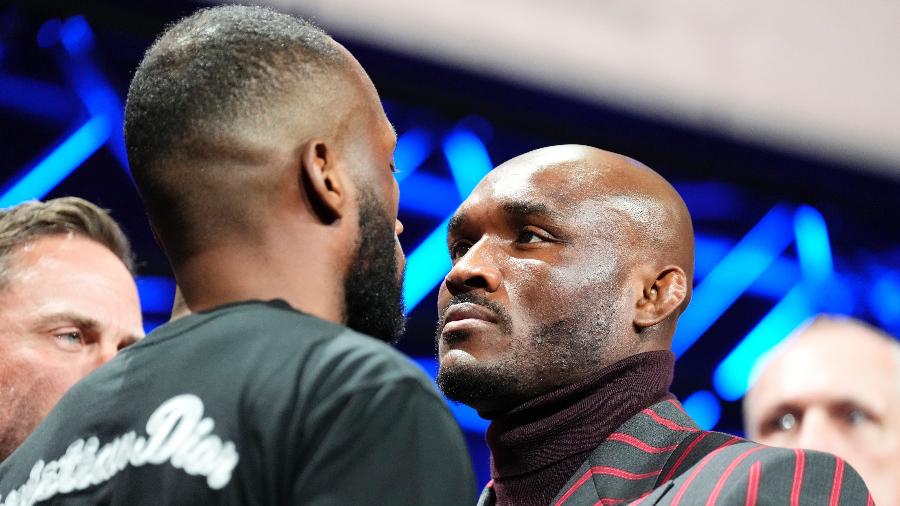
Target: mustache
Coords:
[[502, 314]]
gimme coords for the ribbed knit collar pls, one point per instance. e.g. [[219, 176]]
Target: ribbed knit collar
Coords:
[[537, 446]]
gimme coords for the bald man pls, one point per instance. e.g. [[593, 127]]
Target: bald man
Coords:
[[571, 266], [834, 386], [264, 158]]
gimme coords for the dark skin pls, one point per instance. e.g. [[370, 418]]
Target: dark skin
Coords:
[[308, 168], [565, 260]]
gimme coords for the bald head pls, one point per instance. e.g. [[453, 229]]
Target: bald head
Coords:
[[582, 257], [615, 193], [834, 386]]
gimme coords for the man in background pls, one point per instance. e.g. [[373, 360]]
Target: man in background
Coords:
[[834, 386], [571, 267], [265, 161], [68, 303]]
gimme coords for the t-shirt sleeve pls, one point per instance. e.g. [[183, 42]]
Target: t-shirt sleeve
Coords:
[[392, 442]]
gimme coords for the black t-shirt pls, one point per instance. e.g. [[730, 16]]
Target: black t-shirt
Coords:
[[251, 403]]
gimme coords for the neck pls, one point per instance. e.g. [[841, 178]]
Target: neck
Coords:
[[536, 447], [307, 280]]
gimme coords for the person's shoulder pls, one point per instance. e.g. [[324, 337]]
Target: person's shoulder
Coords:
[[748, 472], [319, 357], [357, 361]]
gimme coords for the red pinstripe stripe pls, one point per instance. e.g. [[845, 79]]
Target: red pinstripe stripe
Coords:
[[798, 477], [608, 501], [640, 445], [611, 471], [666, 422], [836, 484], [730, 469], [697, 469], [753, 484], [869, 501], [677, 405], [684, 456]]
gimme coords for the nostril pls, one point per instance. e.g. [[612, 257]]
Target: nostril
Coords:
[[476, 282]]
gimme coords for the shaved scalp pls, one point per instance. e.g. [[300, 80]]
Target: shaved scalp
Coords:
[[637, 207], [210, 99]]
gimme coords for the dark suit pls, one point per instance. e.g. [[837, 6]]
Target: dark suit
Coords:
[[660, 456]]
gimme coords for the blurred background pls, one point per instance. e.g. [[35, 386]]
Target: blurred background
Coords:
[[777, 123]]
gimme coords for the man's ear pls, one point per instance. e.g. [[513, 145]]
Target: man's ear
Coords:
[[660, 297], [323, 180]]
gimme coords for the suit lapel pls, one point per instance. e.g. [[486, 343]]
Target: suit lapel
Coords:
[[631, 462]]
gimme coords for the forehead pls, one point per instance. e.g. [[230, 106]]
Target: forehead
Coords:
[[71, 273], [836, 364], [548, 186]]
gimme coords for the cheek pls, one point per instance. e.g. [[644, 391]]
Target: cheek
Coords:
[[42, 374]]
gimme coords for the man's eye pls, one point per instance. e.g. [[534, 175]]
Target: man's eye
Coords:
[[459, 249], [528, 237], [394, 168], [857, 416], [785, 422], [70, 340]]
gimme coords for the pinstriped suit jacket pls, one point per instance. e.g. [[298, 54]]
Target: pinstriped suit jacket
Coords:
[[661, 457]]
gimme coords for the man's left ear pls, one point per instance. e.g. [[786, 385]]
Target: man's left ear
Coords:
[[660, 297]]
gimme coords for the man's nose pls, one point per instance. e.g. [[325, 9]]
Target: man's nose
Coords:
[[477, 269], [819, 431]]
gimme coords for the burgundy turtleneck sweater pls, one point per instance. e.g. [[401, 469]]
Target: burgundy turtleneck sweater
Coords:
[[536, 447]]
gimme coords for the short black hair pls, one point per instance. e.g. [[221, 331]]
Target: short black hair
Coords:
[[206, 80]]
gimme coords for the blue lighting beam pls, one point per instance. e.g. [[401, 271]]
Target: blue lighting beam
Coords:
[[813, 245], [704, 408], [38, 181], [732, 376], [733, 275], [413, 147], [468, 159], [426, 266]]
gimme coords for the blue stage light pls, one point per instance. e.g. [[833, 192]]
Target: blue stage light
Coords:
[[813, 245], [708, 252], [413, 147], [734, 275], [424, 194], [466, 417], [426, 266], [36, 182], [732, 376], [76, 35], [156, 294], [37, 98], [709, 200], [468, 159], [99, 99], [704, 408], [884, 298], [48, 33]]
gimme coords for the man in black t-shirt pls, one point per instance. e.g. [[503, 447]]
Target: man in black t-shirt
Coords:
[[264, 159]]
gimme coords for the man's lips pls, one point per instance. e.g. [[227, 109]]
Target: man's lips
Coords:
[[465, 314]]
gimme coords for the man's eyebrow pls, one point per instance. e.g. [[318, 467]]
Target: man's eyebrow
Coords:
[[68, 317], [455, 223], [528, 208]]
